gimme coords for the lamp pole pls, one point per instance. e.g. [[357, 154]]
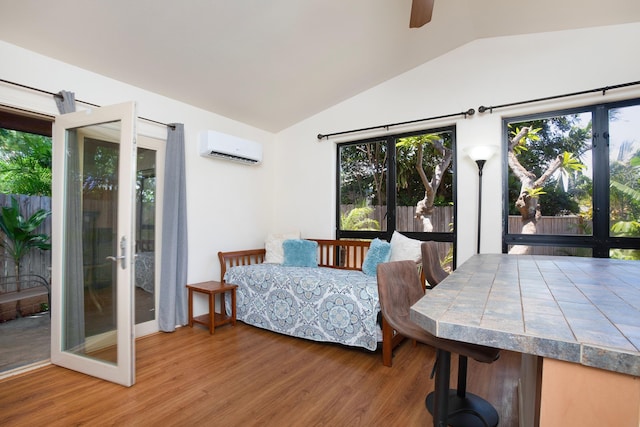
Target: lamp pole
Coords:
[[480, 154], [480, 164]]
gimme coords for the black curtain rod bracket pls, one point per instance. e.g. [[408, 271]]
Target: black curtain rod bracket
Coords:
[[469, 112]]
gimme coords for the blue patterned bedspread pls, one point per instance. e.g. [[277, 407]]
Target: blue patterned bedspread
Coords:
[[320, 304]]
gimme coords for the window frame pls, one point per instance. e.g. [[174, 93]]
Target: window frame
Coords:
[[390, 142], [600, 242]]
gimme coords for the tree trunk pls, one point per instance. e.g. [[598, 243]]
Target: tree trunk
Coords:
[[424, 211], [424, 208], [528, 227], [530, 212], [18, 305], [427, 224]]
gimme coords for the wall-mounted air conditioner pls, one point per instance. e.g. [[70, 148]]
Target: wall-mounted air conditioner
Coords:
[[229, 147]]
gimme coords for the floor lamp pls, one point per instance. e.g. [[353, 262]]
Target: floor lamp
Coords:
[[480, 154]]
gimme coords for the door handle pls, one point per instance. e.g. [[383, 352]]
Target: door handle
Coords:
[[123, 256]]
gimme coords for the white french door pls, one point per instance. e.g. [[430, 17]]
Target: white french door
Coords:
[[148, 226], [94, 242]]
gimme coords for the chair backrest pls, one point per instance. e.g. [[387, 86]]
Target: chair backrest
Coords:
[[398, 289], [431, 267]]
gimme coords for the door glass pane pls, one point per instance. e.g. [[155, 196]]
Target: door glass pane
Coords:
[[363, 186], [89, 275], [145, 276], [424, 191], [624, 178], [550, 176]]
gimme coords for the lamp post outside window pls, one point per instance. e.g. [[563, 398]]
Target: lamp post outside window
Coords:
[[480, 154]]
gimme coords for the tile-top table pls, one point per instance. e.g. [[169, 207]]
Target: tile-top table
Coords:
[[584, 311]]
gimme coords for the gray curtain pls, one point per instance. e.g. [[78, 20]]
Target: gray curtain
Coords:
[[73, 289], [173, 270]]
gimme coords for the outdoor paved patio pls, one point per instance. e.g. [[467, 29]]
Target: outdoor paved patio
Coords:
[[24, 341]]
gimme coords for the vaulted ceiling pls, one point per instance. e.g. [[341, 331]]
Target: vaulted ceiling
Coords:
[[273, 63]]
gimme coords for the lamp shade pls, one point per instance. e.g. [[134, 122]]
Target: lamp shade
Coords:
[[480, 152]]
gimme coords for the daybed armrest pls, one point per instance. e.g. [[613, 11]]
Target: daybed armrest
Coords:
[[246, 257]]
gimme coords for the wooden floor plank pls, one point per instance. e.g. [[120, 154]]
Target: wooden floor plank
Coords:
[[244, 376]]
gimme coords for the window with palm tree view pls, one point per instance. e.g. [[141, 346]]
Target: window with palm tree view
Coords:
[[573, 182], [404, 183]]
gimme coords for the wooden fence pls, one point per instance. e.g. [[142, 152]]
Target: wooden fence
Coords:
[[36, 261], [556, 225], [442, 220]]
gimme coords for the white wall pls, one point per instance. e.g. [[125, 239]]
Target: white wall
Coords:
[[485, 72], [228, 203]]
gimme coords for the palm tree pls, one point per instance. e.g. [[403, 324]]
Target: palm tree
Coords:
[[20, 237]]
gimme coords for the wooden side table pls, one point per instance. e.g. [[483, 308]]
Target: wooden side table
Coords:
[[213, 318]]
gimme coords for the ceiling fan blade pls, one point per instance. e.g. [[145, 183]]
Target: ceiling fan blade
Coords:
[[421, 11]]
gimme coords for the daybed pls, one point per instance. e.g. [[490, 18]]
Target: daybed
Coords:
[[334, 301]]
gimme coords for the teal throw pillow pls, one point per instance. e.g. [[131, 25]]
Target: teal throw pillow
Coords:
[[300, 253], [379, 251]]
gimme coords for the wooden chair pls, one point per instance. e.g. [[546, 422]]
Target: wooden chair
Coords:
[[399, 288]]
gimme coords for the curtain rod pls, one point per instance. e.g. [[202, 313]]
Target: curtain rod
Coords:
[[469, 112], [482, 108], [57, 95]]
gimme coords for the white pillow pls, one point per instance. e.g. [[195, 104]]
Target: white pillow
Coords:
[[273, 246], [403, 248]]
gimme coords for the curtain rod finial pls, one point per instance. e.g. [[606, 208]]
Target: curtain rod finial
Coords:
[[320, 136]]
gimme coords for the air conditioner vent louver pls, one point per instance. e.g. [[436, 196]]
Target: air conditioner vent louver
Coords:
[[229, 147], [232, 157]]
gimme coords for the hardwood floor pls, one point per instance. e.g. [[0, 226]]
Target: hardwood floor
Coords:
[[246, 376]]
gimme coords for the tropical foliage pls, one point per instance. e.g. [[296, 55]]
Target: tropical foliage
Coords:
[[625, 202], [359, 218], [19, 236], [25, 163], [19, 233], [550, 173], [544, 158]]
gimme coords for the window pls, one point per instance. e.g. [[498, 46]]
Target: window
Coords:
[[380, 189], [572, 185]]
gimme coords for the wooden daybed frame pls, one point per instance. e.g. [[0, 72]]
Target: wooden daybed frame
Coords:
[[341, 254]]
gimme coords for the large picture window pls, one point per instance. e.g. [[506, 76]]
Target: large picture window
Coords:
[[403, 183], [573, 182]]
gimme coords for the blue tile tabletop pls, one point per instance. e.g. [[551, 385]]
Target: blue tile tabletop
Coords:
[[581, 310]]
